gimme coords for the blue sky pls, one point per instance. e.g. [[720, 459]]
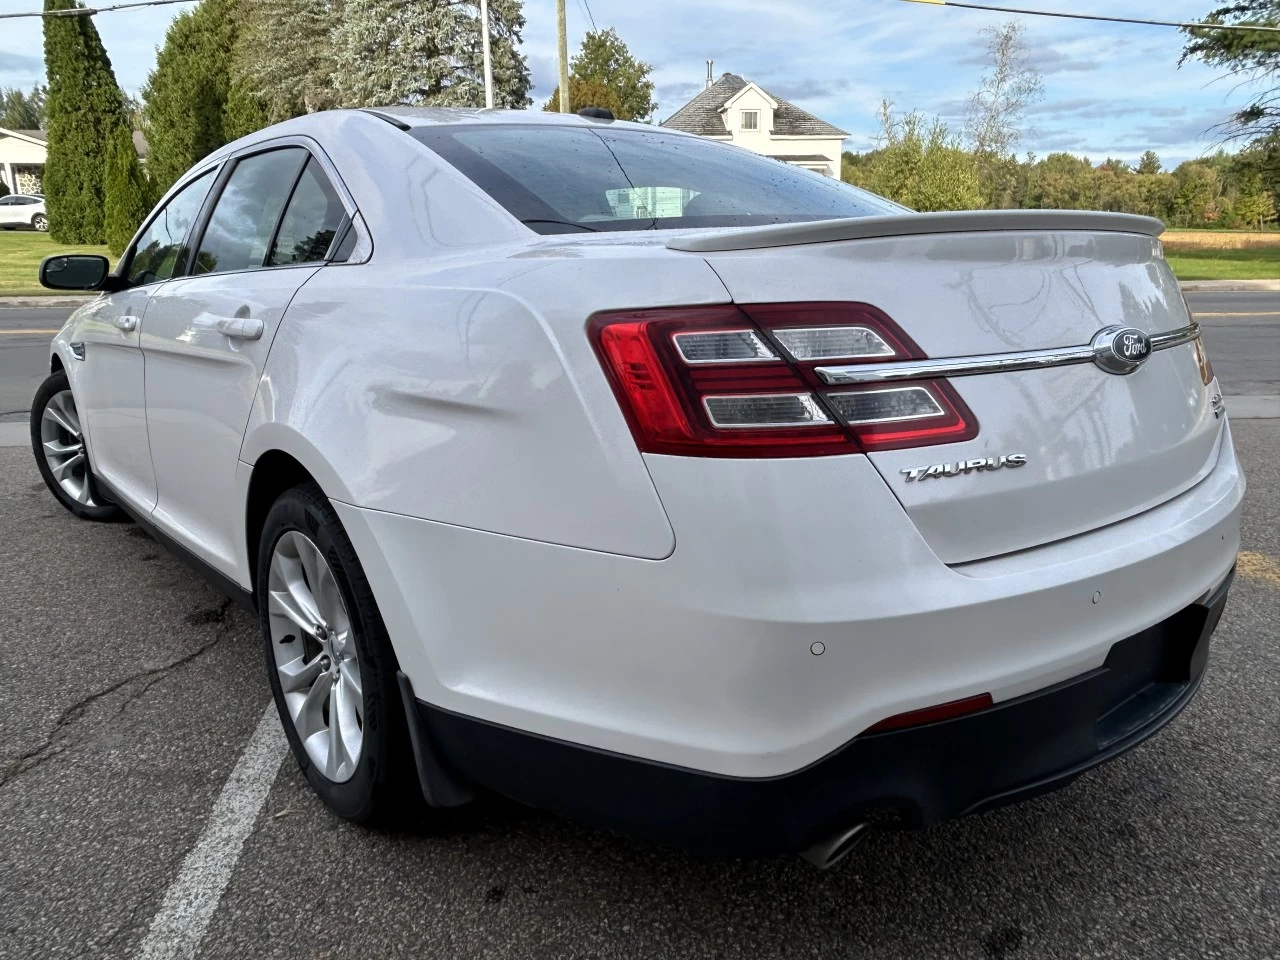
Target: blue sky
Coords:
[[1109, 89]]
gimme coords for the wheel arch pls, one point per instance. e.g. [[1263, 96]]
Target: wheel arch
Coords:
[[277, 459]]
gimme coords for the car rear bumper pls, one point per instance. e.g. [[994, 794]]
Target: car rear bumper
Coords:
[[799, 608], [1013, 750]]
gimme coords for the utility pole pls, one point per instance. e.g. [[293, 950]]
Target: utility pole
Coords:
[[488, 60], [562, 32]]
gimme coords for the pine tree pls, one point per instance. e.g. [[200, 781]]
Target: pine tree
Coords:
[[185, 97], [20, 110], [284, 56], [83, 111], [128, 192], [243, 113], [1149, 163], [605, 62], [428, 53]]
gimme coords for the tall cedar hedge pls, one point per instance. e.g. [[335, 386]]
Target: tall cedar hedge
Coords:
[[128, 192], [185, 97], [84, 109]]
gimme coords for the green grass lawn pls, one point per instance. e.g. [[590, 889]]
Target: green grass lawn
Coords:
[[22, 250], [1254, 263], [20, 254]]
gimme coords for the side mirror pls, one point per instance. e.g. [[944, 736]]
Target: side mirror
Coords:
[[76, 271]]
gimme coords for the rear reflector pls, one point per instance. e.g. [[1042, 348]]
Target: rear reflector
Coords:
[[725, 381], [832, 343], [723, 346], [765, 410], [943, 711], [892, 405]]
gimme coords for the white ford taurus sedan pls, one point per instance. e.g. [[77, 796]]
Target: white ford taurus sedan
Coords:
[[635, 476]]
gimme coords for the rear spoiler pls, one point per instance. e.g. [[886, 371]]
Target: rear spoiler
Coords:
[[912, 224]]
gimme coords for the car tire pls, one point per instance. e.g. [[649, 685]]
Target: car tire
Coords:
[[57, 441], [380, 784], [40, 222]]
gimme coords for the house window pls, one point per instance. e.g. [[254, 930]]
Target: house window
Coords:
[[750, 119]]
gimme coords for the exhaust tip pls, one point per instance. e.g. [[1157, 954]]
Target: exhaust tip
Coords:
[[825, 854]]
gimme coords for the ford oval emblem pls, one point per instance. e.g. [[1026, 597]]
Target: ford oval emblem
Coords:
[[1120, 350]]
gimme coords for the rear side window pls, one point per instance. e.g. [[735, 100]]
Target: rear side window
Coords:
[[565, 179], [161, 246], [310, 221], [246, 214]]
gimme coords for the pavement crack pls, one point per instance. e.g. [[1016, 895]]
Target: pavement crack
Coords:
[[56, 741]]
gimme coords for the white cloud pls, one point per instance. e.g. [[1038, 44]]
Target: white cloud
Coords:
[[1105, 84]]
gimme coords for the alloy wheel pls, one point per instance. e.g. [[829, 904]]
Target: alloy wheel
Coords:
[[40, 222], [315, 656], [62, 440]]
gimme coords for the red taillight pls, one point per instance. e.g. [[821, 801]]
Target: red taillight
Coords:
[[725, 381], [942, 711]]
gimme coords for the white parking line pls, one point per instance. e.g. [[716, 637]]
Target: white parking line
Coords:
[[180, 923]]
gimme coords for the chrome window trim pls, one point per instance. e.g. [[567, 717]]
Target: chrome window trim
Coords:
[[985, 363]]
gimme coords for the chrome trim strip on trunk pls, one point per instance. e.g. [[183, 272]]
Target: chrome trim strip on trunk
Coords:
[[985, 363]]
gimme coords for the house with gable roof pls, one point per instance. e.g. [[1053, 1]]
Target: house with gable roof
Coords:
[[739, 111]]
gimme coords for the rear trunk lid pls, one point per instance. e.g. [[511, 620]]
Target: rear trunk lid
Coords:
[[1098, 447]]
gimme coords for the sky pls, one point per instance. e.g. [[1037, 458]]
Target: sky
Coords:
[[1110, 90]]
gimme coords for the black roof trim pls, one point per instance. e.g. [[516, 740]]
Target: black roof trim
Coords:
[[394, 121]]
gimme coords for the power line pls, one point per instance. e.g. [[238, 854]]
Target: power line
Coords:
[[1093, 16], [90, 11], [587, 4]]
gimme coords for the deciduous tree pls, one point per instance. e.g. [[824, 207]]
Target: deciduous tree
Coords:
[[920, 164], [997, 110]]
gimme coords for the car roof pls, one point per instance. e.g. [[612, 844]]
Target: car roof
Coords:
[[435, 116]]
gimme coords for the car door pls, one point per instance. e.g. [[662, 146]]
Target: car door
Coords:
[[109, 380], [206, 336], [9, 212]]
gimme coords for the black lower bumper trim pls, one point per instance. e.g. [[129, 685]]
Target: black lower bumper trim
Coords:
[[1008, 752]]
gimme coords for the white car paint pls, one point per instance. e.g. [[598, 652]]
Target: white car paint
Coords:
[[535, 569], [20, 210]]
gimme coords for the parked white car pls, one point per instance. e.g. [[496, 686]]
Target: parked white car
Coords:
[[23, 210], [636, 476]]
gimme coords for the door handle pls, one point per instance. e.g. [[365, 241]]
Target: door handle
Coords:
[[241, 328], [126, 323]]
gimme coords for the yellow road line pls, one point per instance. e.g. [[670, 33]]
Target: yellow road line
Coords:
[[1258, 566], [29, 331], [1265, 313]]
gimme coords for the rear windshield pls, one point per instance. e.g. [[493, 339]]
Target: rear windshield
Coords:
[[567, 180]]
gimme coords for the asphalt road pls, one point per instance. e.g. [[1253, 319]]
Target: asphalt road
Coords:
[[129, 690], [1242, 334]]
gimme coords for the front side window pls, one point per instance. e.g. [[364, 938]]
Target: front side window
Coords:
[[565, 179], [750, 119], [310, 221], [245, 216], [160, 247]]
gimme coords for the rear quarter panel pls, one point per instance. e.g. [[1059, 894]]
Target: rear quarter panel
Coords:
[[467, 392]]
